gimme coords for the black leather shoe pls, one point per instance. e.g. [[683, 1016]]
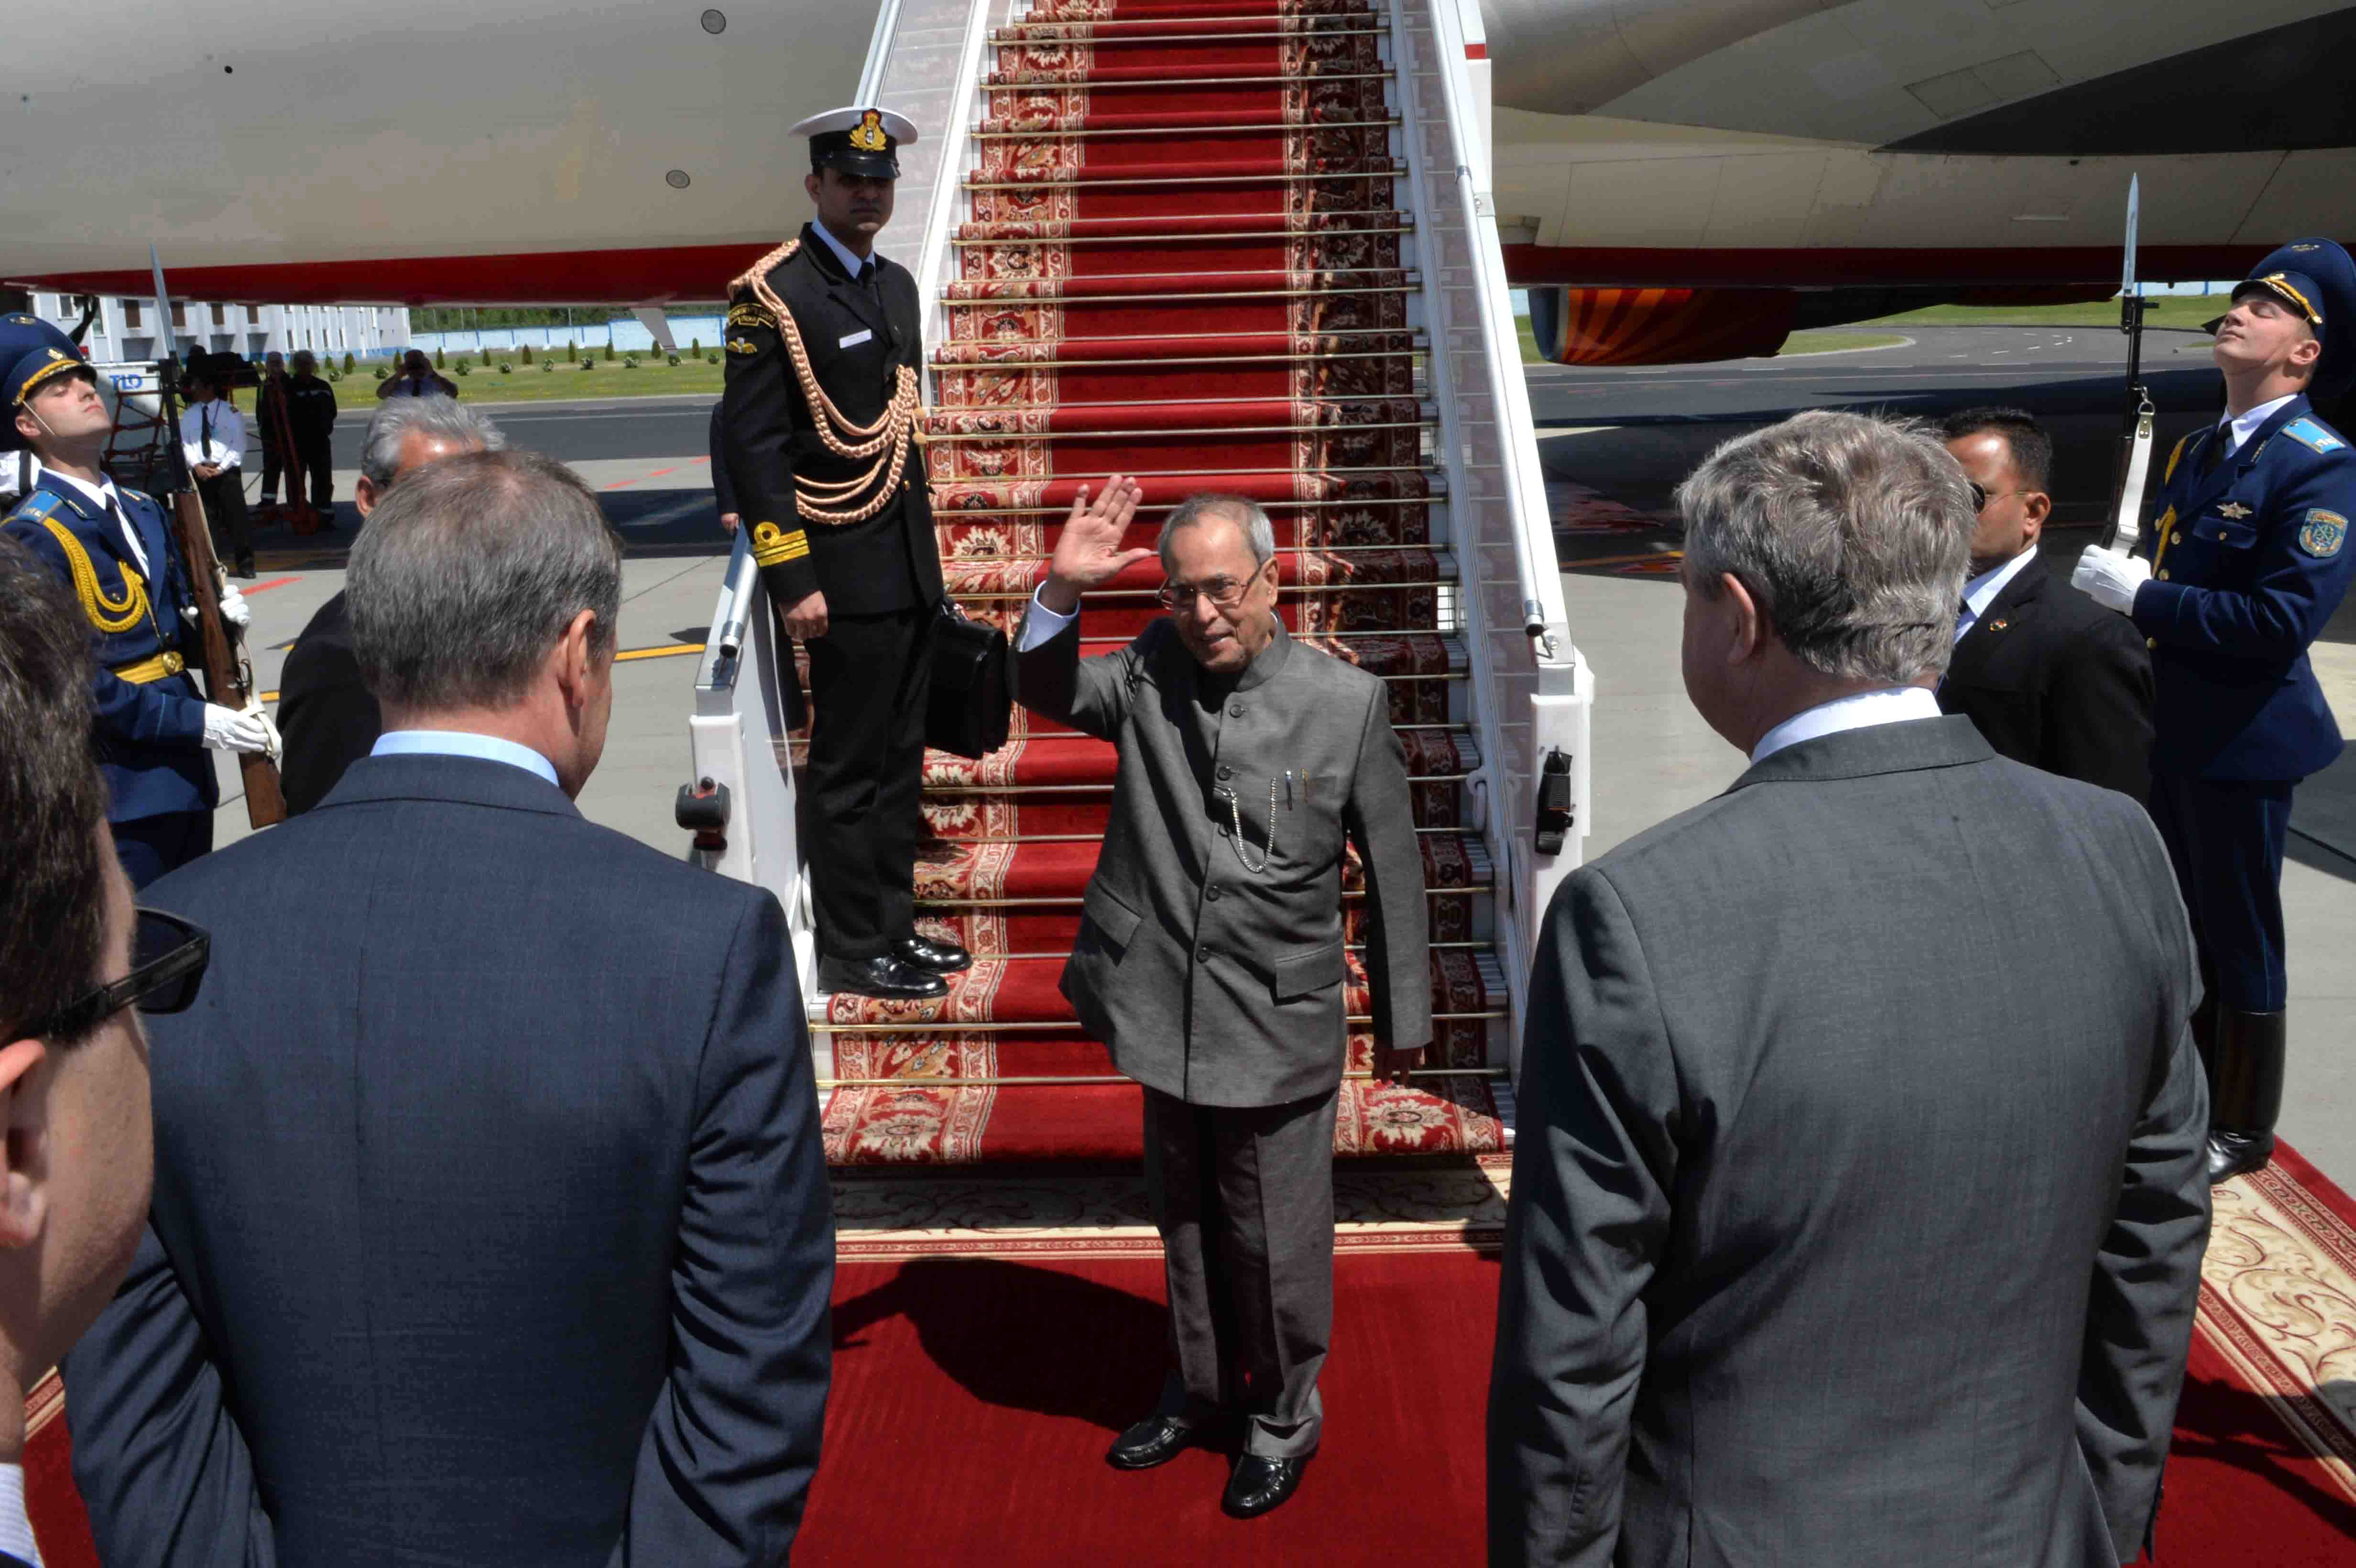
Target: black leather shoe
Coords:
[[1259, 1485], [245, 569], [934, 957], [2232, 1152], [882, 975], [1156, 1440]]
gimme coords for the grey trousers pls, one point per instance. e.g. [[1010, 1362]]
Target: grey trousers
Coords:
[[1244, 1199]]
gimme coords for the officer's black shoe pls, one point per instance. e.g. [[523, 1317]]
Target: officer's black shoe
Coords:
[[1156, 1440], [933, 957], [245, 569], [1259, 1485], [883, 976], [2232, 1152]]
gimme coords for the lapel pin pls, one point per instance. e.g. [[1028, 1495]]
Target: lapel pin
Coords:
[[2233, 510]]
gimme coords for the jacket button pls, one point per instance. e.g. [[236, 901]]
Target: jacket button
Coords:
[[1226, 771], [2163, 576], [2151, 642], [1235, 711], [2176, 539], [1201, 955], [1211, 892]]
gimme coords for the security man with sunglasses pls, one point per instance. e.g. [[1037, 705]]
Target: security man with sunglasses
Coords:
[[2239, 572], [115, 548]]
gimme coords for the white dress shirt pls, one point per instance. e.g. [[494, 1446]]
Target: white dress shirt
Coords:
[[2239, 427], [851, 262], [462, 744], [16, 1529], [106, 497], [1981, 590], [226, 446], [1041, 624], [1860, 711]]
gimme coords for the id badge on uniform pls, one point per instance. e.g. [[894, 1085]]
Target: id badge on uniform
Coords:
[[856, 338]]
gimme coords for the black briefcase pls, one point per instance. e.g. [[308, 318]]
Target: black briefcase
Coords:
[[972, 698]]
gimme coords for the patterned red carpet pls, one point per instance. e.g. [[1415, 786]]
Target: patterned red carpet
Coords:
[[992, 1331], [1181, 257]]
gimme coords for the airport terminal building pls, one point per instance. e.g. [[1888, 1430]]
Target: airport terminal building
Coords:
[[125, 329]]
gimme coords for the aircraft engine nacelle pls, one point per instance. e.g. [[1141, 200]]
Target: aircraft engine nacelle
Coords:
[[1658, 326]]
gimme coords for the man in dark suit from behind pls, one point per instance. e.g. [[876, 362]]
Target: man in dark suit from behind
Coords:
[[327, 718], [2045, 673], [1812, 1256], [504, 1235], [74, 960]]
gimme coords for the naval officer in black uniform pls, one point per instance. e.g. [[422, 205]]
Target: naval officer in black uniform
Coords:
[[114, 547], [825, 366], [2244, 564]]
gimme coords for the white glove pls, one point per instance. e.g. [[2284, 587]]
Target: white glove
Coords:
[[233, 609], [227, 730], [2109, 578]]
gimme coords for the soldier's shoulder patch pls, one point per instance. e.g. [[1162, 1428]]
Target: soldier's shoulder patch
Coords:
[[2323, 533], [2310, 433], [34, 508], [743, 346], [750, 314]]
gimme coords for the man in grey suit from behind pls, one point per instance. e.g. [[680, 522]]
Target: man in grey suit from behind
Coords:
[[1211, 959], [491, 1221], [1858, 1201]]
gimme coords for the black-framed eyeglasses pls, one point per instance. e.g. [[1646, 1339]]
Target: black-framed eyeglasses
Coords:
[[1982, 497], [167, 959], [1223, 593]]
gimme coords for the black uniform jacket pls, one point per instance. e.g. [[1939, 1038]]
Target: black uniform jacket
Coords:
[[2053, 680], [855, 344]]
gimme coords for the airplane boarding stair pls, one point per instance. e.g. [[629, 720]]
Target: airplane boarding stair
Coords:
[[1223, 245]]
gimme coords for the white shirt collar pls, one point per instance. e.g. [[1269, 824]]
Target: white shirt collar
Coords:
[[851, 262], [16, 1529], [101, 495], [1981, 590], [462, 744], [2246, 425], [1859, 710]]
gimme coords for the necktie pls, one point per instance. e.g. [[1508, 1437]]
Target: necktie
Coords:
[[205, 444], [2219, 443]]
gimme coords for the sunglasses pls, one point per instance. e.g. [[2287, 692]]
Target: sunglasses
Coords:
[[167, 959], [1981, 498]]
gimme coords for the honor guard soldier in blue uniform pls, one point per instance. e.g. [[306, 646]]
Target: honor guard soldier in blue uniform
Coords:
[[114, 548], [2245, 562], [819, 429]]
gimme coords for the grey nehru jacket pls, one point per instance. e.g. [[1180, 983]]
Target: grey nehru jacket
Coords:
[[1216, 983]]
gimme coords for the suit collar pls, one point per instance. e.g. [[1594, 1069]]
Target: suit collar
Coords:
[[462, 781], [841, 286], [1268, 662], [1911, 746]]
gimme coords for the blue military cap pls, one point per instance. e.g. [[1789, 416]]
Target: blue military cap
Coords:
[[2315, 278], [31, 351]]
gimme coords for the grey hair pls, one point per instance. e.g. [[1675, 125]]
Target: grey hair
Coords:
[[432, 414], [466, 575], [1239, 509], [1850, 532]]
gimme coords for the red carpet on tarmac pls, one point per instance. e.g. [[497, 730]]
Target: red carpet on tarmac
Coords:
[[984, 1360]]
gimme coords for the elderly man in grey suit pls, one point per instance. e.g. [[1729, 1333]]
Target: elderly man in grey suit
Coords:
[[1211, 959], [1819, 1253]]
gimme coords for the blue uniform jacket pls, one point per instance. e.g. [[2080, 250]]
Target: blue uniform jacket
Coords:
[[150, 733], [2251, 560]]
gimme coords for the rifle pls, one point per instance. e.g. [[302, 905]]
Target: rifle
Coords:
[[228, 678], [2136, 427]]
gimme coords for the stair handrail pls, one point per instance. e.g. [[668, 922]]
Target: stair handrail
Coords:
[[1531, 693]]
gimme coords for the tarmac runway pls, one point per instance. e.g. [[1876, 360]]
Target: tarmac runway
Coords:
[[1615, 443]]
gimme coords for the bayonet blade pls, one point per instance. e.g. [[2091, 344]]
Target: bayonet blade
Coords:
[[2135, 206], [163, 304]]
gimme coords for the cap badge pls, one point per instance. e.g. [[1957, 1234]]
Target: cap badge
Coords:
[[869, 137], [2306, 245]]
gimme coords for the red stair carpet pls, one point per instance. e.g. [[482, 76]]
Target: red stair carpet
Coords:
[[979, 1377], [1180, 256]]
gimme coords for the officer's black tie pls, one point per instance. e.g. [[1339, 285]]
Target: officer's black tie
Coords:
[[2214, 453]]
